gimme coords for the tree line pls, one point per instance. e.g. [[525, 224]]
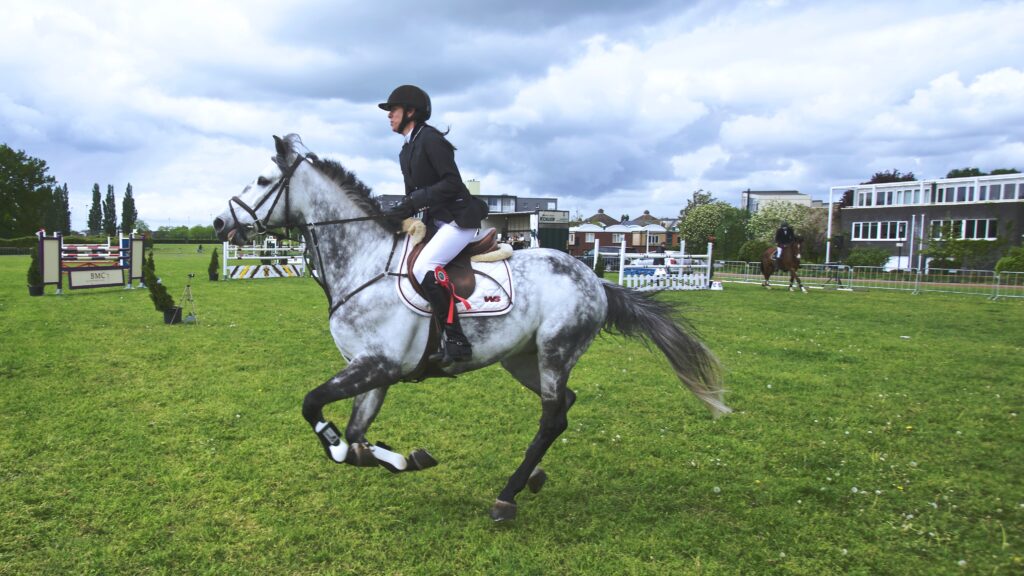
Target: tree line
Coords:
[[30, 199]]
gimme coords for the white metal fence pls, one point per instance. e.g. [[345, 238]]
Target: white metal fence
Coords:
[[954, 281]]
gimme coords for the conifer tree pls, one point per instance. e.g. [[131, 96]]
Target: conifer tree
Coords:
[[65, 210], [128, 212], [110, 212], [95, 211]]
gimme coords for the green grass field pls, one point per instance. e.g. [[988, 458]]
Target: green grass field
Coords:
[[874, 433]]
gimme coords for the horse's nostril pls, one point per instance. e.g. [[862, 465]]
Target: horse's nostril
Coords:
[[218, 224]]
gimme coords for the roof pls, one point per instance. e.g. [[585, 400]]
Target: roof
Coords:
[[602, 219]]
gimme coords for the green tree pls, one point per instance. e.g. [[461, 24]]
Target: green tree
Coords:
[[717, 222], [699, 198], [128, 212], [810, 223], [172, 233], [26, 193], [964, 173], [58, 212], [1013, 261], [95, 211], [110, 212], [64, 210], [201, 233], [751, 250], [770, 214], [998, 171], [890, 176], [864, 256]]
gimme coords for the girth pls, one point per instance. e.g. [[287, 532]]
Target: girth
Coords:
[[460, 269]]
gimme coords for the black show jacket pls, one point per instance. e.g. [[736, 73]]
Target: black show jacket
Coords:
[[428, 163]]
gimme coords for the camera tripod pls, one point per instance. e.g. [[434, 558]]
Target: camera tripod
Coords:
[[190, 307]]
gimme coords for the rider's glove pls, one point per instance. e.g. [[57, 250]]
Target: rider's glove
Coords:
[[419, 198]]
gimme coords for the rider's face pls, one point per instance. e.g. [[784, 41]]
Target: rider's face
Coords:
[[395, 117]]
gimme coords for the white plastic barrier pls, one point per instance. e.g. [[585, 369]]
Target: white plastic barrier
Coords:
[[665, 270], [250, 262]]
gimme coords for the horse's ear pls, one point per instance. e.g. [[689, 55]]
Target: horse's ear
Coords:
[[282, 147]]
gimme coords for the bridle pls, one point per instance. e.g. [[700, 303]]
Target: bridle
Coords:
[[282, 188]]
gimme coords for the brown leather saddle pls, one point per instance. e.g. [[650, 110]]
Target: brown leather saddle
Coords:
[[460, 269]]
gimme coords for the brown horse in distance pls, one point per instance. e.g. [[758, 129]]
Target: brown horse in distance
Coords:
[[789, 261]]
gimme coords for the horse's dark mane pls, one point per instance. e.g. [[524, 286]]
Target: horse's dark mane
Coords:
[[360, 194]]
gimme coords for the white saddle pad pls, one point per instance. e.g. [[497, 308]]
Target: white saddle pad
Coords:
[[493, 295]]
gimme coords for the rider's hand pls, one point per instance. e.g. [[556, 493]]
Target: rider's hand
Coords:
[[419, 198], [402, 210]]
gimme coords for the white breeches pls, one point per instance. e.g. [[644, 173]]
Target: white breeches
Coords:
[[778, 252], [443, 247]]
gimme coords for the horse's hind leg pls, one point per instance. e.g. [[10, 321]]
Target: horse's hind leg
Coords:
[[526, 370], [548, 380]]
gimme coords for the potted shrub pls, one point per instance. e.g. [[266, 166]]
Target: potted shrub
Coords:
[[35, 276], [162, 301], [214, 266]]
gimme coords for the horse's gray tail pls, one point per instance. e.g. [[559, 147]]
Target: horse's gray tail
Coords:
[[638, 315]]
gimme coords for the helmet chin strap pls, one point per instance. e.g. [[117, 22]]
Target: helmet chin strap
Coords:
[[406, 119]]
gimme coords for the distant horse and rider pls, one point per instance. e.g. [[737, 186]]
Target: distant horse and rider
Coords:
[[784, 257]]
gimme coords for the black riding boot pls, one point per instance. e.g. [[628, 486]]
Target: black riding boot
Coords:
[[454, 345]]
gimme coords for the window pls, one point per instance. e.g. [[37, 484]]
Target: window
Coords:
[[618, 237], [590, 237], [961, 194], [891, 230], [572, 238], [983, 192], [983, 229]]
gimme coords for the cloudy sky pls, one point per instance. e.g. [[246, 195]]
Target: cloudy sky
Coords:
[[621, 105]]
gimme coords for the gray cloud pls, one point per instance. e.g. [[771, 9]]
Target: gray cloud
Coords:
[[604, 104]]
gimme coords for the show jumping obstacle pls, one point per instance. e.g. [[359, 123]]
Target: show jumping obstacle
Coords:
[[673, 271], [248, 262], [89, 265]]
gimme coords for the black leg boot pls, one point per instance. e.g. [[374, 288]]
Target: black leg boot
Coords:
[[454, 346]]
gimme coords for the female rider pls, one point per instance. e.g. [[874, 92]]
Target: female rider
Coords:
[[452, 215]]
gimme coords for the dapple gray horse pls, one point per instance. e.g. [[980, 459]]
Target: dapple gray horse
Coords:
[[560, 306]]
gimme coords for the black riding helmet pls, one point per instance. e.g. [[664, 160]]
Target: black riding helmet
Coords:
[[409, 96]]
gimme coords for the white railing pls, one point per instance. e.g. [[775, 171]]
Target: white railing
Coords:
[[952, 281], [665, 270]]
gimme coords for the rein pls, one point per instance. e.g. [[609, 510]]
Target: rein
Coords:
[[283, 188]]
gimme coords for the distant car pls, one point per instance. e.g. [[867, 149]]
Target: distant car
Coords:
[[604, 250]]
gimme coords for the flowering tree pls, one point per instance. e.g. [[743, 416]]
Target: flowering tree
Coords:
[[811, 223]]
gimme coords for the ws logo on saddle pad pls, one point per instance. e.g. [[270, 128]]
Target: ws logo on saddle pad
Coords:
[[493, 295]]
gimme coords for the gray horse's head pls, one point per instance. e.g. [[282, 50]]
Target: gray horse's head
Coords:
[[263, 203], [273, 201]]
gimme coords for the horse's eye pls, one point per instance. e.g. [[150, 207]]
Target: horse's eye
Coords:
[[263, 181]]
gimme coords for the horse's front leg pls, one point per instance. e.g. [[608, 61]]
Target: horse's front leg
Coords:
[[367, 377]]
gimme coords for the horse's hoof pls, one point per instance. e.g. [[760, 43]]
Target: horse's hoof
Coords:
[[536, 480], [804, 290], [359, 454], [502, 511], [420, 459]]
